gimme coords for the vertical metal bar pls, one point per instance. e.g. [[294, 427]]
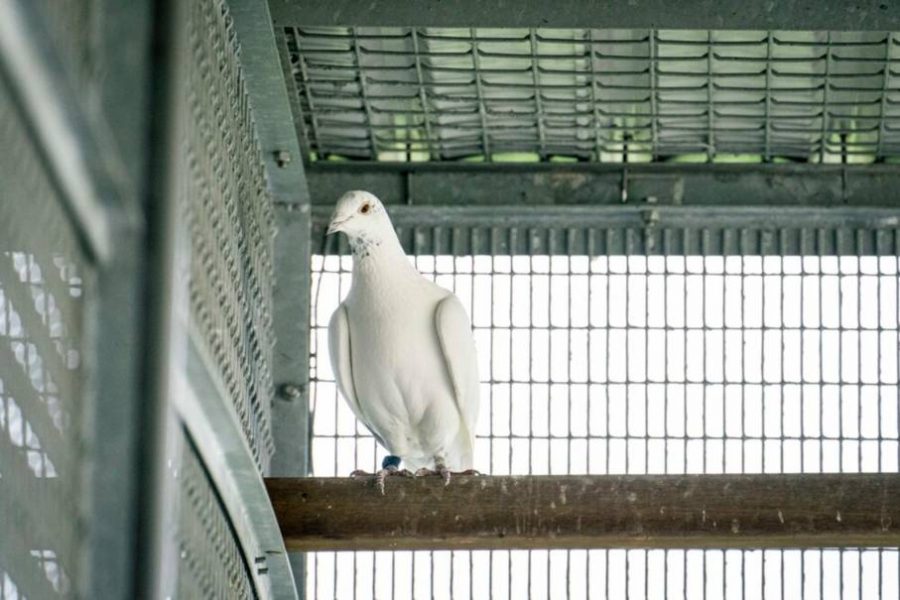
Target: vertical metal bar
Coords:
[[685, 237], [595, 104], [512, 237], [743, 250], [315, 142], [591, 233], [783, 354], [725, 381], [648, 238], [820, 244], [491, 378], [885, 86], [538, 104], [823, 142], [767, 156], [802, 378], [170, 38], [364, 93], [781, 248], [654, 109], [841, 383], [704, 252], [423, 97], [666, 235], [480, 97], [530, 233], [608, 381], [859, 385], [710, 116], [896, 317]]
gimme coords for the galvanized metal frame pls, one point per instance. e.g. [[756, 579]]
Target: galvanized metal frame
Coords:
[[698, 14], [214, 427], [102, 184], [199, 397], [601, 95], [589, 209], [271, 97], [589, 184]]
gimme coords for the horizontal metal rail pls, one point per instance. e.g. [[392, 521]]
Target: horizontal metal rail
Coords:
[[590, 511], [719, 185], [641, 14]]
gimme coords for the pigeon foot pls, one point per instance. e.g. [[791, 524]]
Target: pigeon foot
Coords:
[[441, 471], [445, 473], [381, 475]]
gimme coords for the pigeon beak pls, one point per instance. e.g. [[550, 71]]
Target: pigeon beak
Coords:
[[336, 225]]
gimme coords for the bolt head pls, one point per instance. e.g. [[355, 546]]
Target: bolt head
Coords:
[[291, 391], [282, 158]]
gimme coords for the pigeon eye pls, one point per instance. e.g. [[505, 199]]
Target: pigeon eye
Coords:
[[364, 209]]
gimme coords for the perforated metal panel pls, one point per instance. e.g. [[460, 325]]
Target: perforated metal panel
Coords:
[[231, 224], [211, 563], [619, 356], [397, 93], [46, 283]]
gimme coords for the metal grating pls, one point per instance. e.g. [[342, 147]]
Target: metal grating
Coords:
[[231, 223], [645, 361], [45, 281], [412, 94], [211, 564]]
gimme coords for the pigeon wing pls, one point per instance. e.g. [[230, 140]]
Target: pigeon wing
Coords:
[[342, 365], [458, 349]]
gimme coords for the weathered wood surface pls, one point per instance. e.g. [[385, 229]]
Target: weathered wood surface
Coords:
[[572, 511]]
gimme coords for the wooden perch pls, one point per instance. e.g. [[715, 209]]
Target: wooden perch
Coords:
[[575, 511]]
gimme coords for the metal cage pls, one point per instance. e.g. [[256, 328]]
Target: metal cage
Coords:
[[634, 313], [675, 229]]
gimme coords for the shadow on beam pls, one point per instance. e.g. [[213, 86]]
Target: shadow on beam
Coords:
[[649, 511]]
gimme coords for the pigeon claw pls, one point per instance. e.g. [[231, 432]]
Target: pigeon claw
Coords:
[[442, 471], [390, 471]]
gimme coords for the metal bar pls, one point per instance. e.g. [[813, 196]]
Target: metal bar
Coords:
[[162, 339], [527, 512], [548, 184], [642, 14], [691, 218]]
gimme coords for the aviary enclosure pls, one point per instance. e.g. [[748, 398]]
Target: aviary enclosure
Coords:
[[675, 230]]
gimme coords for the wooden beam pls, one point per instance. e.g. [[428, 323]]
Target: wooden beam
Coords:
[[574, 511]]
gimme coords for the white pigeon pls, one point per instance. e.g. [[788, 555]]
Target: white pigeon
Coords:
[[402, 350]]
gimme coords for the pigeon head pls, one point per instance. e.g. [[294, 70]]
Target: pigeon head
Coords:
[[363, 218]]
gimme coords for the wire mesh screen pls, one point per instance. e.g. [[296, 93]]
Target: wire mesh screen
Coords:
[[212, 565], [231, 225], [45, 281], [602, 95], [646, 359]]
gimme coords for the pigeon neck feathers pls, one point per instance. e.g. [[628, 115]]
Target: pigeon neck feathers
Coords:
[[379, 251]]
